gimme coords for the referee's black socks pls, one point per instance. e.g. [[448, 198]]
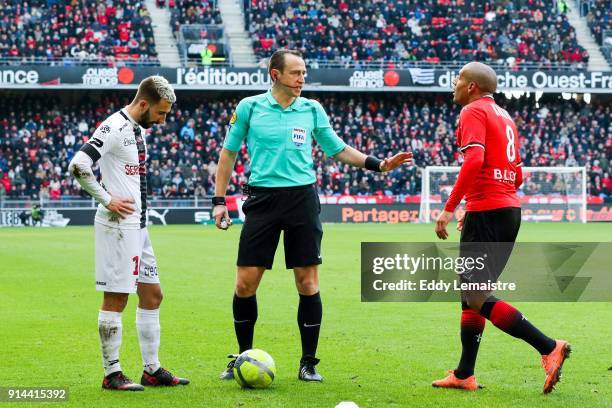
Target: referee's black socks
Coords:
[[510, 320], [245, 316], [310, 313]]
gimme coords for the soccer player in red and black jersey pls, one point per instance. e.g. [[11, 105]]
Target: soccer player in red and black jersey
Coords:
[[488, 180]]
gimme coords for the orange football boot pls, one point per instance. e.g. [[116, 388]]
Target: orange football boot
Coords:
[[451, 381], [553, 363]]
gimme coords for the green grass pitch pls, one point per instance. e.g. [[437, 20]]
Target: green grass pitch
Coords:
[[377, 355]]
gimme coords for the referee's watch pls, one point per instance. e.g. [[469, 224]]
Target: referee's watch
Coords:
[[218, 201]]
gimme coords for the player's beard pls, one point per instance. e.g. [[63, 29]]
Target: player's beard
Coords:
[[145, 119]]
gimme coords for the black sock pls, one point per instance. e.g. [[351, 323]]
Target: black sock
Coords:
[[472, 326], [245, 316], [310, 313], [511, 321]]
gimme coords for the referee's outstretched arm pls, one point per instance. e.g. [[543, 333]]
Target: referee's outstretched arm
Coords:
[[354, 157]]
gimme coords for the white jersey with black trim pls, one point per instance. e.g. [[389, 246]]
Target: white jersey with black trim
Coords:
[[119, 147]]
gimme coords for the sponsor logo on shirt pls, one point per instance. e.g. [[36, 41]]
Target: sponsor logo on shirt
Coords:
[[132, 169], [504, 175], [127, 142]]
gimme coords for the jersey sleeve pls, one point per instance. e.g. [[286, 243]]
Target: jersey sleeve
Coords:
[[472, 128], [324, 134], [101, 142], [238, 126]]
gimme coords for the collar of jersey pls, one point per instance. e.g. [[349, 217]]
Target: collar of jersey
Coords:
[[294, 106], [130, 117]]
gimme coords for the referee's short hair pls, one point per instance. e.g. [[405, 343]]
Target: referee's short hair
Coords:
[[155, 88], [277, 60]]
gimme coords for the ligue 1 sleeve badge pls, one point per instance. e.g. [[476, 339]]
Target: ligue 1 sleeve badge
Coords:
[[298, 136], [233, 119]]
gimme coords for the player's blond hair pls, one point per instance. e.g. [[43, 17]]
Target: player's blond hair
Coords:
[[155, 88]]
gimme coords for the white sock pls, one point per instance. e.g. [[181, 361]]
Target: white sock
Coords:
[[110, 330], [147, 325]]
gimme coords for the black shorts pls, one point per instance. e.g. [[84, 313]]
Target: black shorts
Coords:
[[490, 235], [268, 211]]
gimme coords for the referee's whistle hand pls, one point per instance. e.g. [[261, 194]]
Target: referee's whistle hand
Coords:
[[121, 206], [393, 162], [441, 224], [221, 216]]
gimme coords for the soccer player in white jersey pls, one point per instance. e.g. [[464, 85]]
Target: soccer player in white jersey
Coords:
[[125, 262]]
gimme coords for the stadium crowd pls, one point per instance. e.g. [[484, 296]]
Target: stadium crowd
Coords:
[[191, 12], [40, 134], [599, 18], [348, 31], [66, 31]]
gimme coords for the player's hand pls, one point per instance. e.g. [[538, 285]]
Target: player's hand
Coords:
[[221, 216], [391, 163], [121, 206], [460, 222], [443, 220]]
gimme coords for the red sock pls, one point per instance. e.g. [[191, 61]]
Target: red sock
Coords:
[[504, 316], [472, 326]]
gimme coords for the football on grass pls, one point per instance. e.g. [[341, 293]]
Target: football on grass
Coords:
[[254, 369]]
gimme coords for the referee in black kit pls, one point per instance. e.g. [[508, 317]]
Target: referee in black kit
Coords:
[[279, 127]]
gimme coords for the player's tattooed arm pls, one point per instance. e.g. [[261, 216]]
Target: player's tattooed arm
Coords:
[[81, 168]]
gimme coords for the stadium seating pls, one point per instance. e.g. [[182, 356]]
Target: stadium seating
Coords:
[[346, 31], [65, 31], [599, 19], [192, 12], [39, 135]]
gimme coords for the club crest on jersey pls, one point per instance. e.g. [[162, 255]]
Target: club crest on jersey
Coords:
[[105, 129], [233, 120], [298, 136]]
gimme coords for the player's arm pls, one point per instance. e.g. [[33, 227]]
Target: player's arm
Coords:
[[518, 181], [472, 163], [472, 137], [81, 168], [238, 129]]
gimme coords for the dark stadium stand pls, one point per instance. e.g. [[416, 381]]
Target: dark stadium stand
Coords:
[[65, 32], [344, 32], [39, 135]]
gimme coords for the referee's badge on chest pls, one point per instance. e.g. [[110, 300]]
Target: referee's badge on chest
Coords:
[[298, 136]]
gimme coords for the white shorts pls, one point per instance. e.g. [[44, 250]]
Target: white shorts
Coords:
[[124, 257]]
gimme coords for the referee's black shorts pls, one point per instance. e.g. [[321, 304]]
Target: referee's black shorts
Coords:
[[268, 211], [490, 235]]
